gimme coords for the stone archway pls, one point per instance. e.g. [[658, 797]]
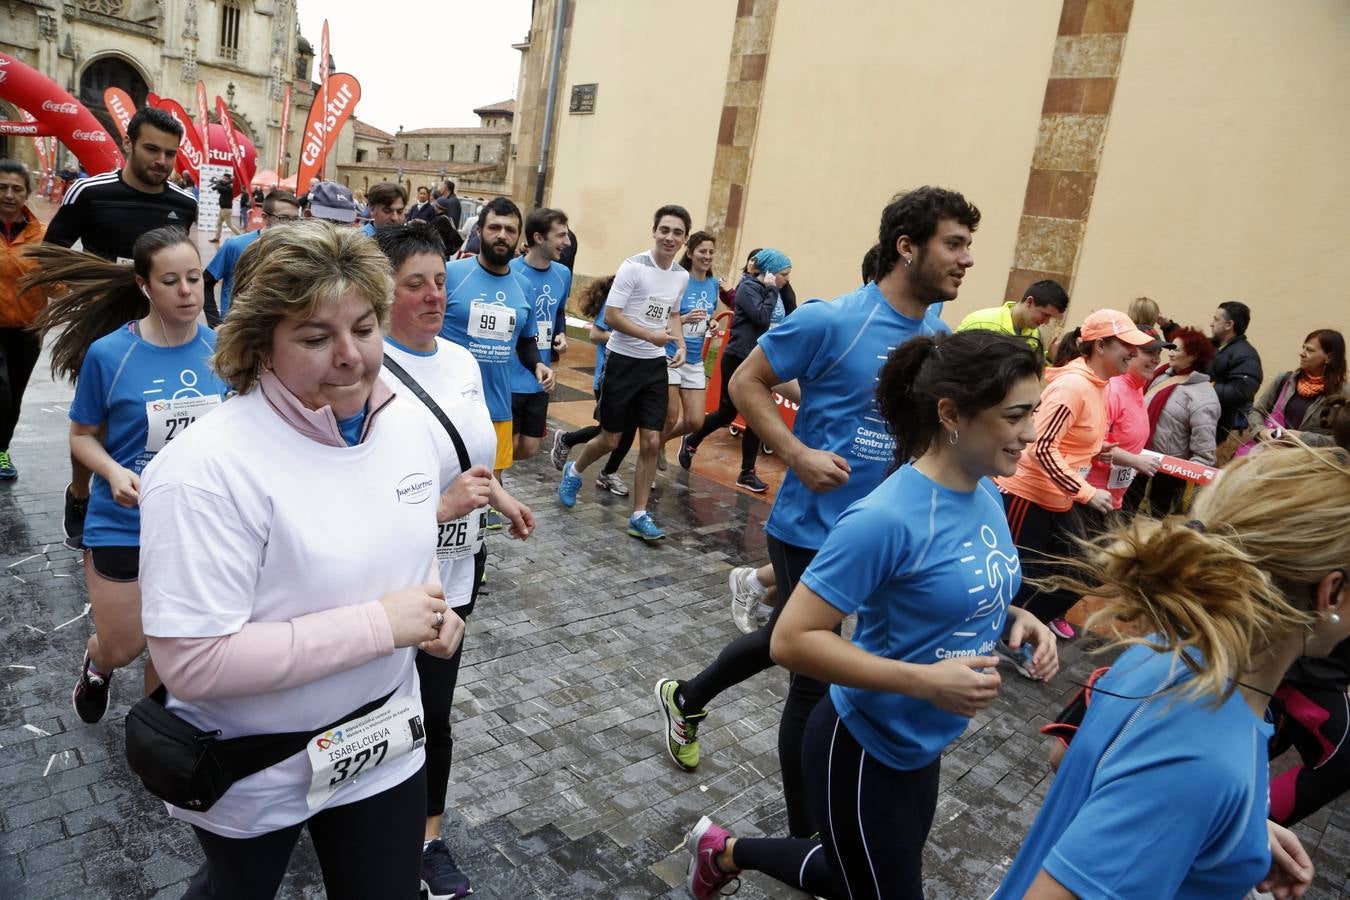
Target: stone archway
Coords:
[[106, 72]]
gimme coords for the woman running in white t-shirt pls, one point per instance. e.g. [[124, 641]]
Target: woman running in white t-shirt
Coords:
[[287, 576], [449, 377]]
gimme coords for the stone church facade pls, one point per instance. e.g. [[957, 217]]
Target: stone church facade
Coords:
[[245, 51]]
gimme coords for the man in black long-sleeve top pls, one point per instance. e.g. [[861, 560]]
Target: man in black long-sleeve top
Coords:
[[1236, 370]]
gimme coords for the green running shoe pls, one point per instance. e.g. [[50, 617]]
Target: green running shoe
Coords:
[[681, 728]]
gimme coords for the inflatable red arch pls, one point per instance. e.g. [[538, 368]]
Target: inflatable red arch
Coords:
[[58, 114]]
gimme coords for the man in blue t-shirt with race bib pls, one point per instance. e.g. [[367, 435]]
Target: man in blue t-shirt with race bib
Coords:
[[548, 282], [486, 312], [839, 449]]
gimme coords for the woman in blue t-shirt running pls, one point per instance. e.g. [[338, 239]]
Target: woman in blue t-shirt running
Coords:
[[131, 334], [1164, 791], [927, 563]]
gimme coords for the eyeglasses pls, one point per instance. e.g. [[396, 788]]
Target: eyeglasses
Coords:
[[282, 219]]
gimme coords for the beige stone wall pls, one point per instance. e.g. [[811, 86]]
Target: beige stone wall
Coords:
[[895, 94], [652, 137], [1224, 172]]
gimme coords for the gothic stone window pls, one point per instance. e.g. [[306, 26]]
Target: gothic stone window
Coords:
[[230, 20]]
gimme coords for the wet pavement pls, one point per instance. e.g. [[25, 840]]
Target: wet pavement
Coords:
[[561, 787]]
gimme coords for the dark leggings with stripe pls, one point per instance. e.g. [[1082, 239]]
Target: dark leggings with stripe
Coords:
[[1315, 721], [1041, 535], [873, 821]]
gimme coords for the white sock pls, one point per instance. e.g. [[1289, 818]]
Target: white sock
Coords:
[[755, 582], [637, 514]]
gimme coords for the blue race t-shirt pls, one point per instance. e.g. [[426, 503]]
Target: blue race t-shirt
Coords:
[[930, 572], [835, 350], [487, 314], [699, 295], [599, 354], [147, 395], [221, 267], [546, 290], [1159, 797]]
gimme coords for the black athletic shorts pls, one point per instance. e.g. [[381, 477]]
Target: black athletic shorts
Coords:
[[121, 564], [633, 393], [529, 414]]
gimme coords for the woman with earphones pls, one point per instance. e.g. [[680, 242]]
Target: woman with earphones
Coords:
[[140, 384], [1165, 789]]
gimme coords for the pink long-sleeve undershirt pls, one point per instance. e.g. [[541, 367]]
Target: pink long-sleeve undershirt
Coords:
[[263, 657]]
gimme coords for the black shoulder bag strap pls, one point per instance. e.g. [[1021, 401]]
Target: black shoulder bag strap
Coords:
[[479, 558]]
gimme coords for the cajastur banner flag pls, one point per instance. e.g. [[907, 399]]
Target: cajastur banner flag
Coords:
[[285, 131], [203, 113], [223, 114], [324, 75], [120, 107], [191, 150], [323, 128]]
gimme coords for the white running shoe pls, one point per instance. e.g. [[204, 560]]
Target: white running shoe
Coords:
[[612, 483], [744, 599]]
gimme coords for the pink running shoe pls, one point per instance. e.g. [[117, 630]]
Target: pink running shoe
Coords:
[[1063, 629], [706, 879]]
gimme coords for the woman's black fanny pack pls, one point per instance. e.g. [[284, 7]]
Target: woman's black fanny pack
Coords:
[[190, 768]]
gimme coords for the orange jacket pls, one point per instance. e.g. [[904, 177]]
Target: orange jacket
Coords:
[[17, 311], [1070, 425]]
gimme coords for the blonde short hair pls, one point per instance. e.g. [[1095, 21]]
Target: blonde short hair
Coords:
[[1144, 311], [288, 273]]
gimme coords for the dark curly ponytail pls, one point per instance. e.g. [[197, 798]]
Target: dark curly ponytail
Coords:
[[974, 369]]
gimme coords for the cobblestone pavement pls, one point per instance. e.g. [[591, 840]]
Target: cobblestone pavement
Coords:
[[561, 788]]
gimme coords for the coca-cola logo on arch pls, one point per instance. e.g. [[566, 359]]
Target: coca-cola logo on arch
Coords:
[[68, 109], [95, 136]]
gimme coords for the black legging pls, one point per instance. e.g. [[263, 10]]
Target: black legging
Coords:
[[19, 352], [370, 848], [745, 658], [1042, 536], [1166, 494], [1315, 720], [437, 678], [726, 414], [873, 822]]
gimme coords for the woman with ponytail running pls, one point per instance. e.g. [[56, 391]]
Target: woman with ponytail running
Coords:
[[1164, 790], [144, 378], [927, 563]]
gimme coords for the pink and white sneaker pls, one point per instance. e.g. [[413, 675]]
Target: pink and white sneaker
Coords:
[[706, 879], [1063, 629]]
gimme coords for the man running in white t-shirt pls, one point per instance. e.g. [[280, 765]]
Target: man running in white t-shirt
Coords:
[[643, 310]]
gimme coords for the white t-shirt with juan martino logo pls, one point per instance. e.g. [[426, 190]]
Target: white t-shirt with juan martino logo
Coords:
[[246, 520], [451, 377]]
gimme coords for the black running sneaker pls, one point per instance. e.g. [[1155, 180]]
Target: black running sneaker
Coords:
[[686, 452], [90, 697], [72, 520], [441, 878], [750, 481]]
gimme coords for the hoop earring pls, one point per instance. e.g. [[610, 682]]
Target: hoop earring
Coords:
[[954, 437]]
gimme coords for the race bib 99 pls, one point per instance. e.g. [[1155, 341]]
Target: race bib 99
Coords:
[[489, 321]]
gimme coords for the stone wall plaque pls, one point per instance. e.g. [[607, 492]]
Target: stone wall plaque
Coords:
[[583, 99]]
